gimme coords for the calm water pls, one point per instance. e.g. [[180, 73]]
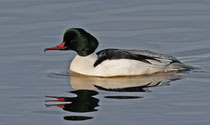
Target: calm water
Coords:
[[35, 87]]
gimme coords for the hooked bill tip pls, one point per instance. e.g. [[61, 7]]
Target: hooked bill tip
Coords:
[[45, 49]]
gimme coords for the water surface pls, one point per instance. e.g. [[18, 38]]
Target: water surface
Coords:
[[35, 87]]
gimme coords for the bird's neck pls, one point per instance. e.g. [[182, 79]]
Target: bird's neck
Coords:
[[85, 53]]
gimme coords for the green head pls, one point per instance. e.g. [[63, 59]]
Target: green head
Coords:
[[78, 40]]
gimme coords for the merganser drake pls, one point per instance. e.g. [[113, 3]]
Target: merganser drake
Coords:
[[113, 62]]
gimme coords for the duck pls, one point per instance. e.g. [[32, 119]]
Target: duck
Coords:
[[113, 62]]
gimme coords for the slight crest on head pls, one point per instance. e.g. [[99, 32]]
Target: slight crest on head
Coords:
[[77, 39]]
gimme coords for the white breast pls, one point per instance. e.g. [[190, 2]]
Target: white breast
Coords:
[[83, 65], [108, 68]]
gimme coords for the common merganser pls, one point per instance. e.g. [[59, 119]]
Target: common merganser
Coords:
[[113, 62]]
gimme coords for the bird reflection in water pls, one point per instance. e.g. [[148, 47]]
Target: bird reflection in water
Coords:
[[86, 87], [82, 103]]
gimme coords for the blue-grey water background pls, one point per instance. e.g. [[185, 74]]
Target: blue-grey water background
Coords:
[[176, 27]]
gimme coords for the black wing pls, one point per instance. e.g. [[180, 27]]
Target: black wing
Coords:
[[139, 55]]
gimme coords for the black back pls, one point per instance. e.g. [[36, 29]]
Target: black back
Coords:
[[125, 54]]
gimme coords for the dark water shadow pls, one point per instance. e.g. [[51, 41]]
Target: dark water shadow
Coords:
[[123, 97], [87, 88], [77, 118]]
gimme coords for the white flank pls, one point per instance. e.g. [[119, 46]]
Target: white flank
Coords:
[[109, 68]]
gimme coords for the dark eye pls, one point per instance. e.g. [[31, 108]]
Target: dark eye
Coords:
[[73, 41]]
